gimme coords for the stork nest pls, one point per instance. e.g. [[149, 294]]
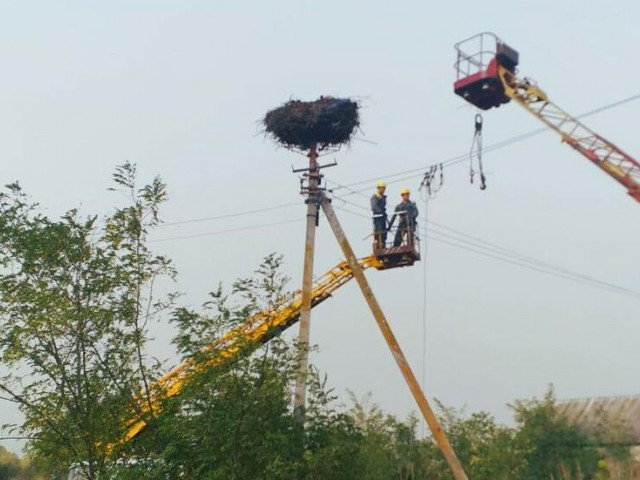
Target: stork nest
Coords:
[[326, 122]]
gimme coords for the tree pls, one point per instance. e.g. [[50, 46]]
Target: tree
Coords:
[[486, 449], [9, 464], [551, 446], [13, 467], [233, 419], [76, 297], [389, 448]]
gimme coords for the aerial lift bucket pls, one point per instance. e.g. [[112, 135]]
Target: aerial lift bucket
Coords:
[[477, 79]]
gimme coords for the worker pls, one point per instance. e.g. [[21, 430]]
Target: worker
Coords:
[[379, 210], [407, 211]]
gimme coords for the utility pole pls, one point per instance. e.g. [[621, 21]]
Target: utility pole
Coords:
[[313, 199], [392, 342]]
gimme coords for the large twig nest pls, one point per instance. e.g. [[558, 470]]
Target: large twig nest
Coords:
[[325, 123]]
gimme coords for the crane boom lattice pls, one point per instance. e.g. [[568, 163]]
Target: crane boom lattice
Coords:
[[603, 153]]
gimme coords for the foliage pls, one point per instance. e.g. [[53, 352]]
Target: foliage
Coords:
[[551, 446], [13, 467], [235, 420], [76, 299], [76, 296]]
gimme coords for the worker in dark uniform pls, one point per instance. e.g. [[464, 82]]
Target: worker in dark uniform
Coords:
[[379, 209], [407, 211]]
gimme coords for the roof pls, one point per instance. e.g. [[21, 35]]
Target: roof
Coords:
[[593, 415]]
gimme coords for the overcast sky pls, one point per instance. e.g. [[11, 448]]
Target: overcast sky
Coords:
[[180, 87]]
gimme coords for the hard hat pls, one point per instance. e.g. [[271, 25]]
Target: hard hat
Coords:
[[382, 185], [404, 191]]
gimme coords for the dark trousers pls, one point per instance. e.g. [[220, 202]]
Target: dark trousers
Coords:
[[380, 231]]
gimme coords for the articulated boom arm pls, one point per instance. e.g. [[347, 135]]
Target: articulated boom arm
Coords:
[[256, 330], [603, 153]]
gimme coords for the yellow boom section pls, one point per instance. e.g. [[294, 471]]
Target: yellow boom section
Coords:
[[258, 329]]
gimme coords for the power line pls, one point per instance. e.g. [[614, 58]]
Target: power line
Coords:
[[413, 172], [504, 143], [229, 215], [568, 276], [348, 202], [480, 243], [520, 256], [515, 258], [220, 232]]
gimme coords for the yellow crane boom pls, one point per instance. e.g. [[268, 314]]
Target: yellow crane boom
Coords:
[[256, 330]]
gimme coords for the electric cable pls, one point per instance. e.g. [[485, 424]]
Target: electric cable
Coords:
[[230, 230], [501, 144], [414, 172], [523, 261], [229, 215], [497, 249]]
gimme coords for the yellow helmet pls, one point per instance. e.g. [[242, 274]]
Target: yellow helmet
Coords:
[[382, 185], [404, 191]]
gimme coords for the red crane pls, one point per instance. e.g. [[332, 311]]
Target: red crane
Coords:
[[486, 77]]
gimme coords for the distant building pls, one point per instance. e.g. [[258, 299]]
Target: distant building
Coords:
[[609, 421]]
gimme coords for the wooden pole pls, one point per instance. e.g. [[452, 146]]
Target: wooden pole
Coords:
[[394, 346], [300, 394]]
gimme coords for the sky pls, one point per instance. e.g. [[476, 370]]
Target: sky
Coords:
[[180, 88]]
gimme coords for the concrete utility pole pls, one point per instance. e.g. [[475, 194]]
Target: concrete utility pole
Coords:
[[394, 346], [313, 199]]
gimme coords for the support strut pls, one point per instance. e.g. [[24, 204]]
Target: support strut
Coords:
[[394, 346]]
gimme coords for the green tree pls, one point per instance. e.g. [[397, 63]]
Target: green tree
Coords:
[[388, 447], [391, 448], [9, 464], [76, 296], [233, 420], [230, 420], [13, 467], [487, 450], [551, 446]]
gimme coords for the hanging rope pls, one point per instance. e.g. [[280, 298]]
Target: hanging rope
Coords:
[[424, 304], [432, 182], [476, 146]]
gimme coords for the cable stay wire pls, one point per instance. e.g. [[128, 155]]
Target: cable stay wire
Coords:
[[495, 146], [509, 256]]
